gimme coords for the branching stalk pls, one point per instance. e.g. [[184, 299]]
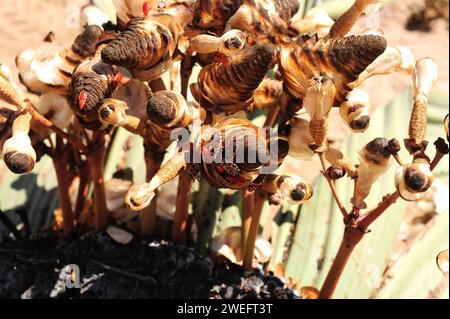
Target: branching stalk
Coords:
[[333, 188], [355, 230]]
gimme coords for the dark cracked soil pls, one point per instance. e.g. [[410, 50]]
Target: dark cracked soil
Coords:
[[35, 268]]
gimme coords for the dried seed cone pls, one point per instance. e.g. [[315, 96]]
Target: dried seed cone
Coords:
[[17, 151], [342, 59], [424, 77], [169, 110], [229, 87], [92, 82], [245, 140], [145, 47], [418, 121], [318, 129], [133, 49], [351, 55], [96, 87], [85, 44]]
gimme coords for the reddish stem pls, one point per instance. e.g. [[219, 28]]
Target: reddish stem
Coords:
[[252, 233], [352, 236], [333, 187], [367, 219], [271, 116], [83, 189], [96, 160], [355, 230], [153, 160], [60, 162], [248, 205], [157, 85], [182, 208]]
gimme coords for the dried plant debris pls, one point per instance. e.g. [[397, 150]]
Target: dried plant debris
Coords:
[[40, 268]]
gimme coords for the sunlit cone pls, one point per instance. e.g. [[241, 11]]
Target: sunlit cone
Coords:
[[169, 110], [92, 82], [236, 152], [341, 59], [229, 87], [146, 46]]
